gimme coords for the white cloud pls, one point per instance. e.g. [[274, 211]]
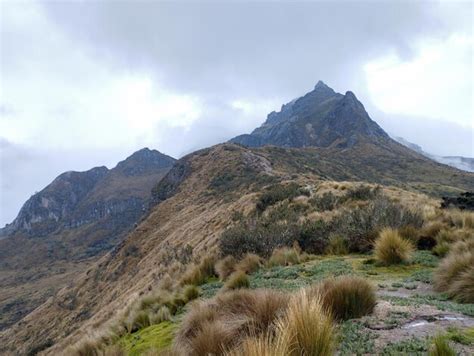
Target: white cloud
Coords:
[[435, 83]]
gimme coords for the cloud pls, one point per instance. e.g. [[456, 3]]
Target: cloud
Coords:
[[107, 78]]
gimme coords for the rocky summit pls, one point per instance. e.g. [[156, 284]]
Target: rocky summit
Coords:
[[321, 118]]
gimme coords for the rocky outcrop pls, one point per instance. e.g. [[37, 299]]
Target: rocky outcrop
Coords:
[[321, 118]]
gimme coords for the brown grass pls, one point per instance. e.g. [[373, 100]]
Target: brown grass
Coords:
[[225, 267], [237, 280], [197, 274], [307, 326], [283, 257], [390, 248], [249, 263], [231, 317], [337, 245], [346, 297]]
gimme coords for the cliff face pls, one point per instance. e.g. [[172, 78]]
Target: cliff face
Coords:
[[74, 220]]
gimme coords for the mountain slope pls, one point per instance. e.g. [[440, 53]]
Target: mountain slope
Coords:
[[76, 218], [195, 202], [459, 162]]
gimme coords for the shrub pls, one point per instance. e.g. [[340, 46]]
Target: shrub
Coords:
[[283, 257], [190, 292], [225, 267], [279, 192], [363, 192], [441, 347], [346, 297], [222, 322], [307, 326], [313, 237], [249, 264], [326, 202], [391, 249], [337, 245], [237, 280]]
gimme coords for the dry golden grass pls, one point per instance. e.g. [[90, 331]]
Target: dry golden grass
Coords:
[[346, 297], [307, 326], [264, 345], [249, 263], [455, 274], [283, 257], [462, 219], [197, 274], [225, 267], [190, 292], [337, 245], [390, 248], [230, 317]]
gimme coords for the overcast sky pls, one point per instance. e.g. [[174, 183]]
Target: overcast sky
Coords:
[[87, 83]]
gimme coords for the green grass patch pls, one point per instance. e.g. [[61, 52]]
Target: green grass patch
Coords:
[[413, 346], [155, 337], [461, 336], [355, 339], [330, 267]]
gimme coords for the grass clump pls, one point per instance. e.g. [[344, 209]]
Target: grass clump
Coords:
[[279, 192], [190, 292], [455, 274], [284, 257], [390, 248], [225, 267], [249, 263], [237, 280], [307, 326], [197, 274], [346, 297], [440, 347], [217, 325]]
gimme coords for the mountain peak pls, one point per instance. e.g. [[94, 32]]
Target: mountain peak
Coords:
[[144, 160], [320, 118]]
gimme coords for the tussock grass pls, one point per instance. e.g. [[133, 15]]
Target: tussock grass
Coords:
[[226, 320], [308, 326], [462, 219], [455, 274], [237, 280], [190, 292], [390, 248], [198, 273], [264, 345], [250, 263], [346, 297], [225, 267], [284, 256], [441, 347]]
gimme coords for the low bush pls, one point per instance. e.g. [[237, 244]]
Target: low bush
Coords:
[[237, 280], [223, 322], [249, 263], [326, 202], [283, 257], [346, 297], [313, 237], [337, 245], [225, 267], [390, 248], [279, 192], [363, 192]]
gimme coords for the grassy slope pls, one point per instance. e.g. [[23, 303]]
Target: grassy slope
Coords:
[[223, 180]]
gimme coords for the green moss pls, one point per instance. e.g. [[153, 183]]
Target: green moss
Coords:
[[156, 337], [330, 267]]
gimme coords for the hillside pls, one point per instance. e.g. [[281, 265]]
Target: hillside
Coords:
[[196, 201], [72, 221]]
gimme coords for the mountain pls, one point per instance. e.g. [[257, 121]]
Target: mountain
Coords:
[[459, 162], [321, 118], [76, 218], [326, 141]]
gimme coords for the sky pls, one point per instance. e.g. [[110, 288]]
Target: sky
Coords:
[[87, 83]]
